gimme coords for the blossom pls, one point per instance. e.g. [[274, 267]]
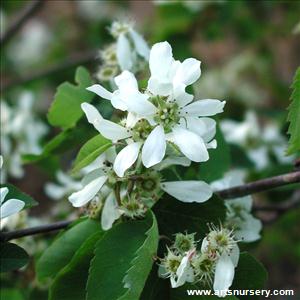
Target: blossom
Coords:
[[258, 141], [10, 206], [164, 113], [221, 243], [21, 132], [238, 214], [130, 44]]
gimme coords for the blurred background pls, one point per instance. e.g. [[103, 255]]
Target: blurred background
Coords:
[[249, 52]]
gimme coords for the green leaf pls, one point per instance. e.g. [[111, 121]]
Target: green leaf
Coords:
[[219, 160], [294, 116], [250, 274], [12, 257], [90, 151], [70, 282], [175, 216], [62, 142], [15, 193], [155, 287], [64, 247], [10, 294], [123, 260], [65, 110]]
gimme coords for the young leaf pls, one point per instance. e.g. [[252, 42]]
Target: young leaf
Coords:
[[174, 216], [12, 257], [123, 260], [70, 282], [65, 110], [90, 151], [294, 116], [63, 248], [15, 193]]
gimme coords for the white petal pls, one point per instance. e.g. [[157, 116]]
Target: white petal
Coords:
[[161, 59], [91, 176], [126, 158], [188, 191], [124, 53], [126, 82], [204, 245], [204, 127], [181, 272], [100, 91], [224, 274], [190, 144], [203, 108], [235, 255], [55, 191], [138, 103], [173, 160], [140, 44], [158, 87], [182, 97], [10, 207], [249, 229], [188, 71], [92, 114], [113, 131], [85, 195], [110, 212], [3, 193], [154, 148]]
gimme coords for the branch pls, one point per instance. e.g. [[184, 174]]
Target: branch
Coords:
[[20, 20], [238, 191], [73, 61], [10, 235], [259, 185]]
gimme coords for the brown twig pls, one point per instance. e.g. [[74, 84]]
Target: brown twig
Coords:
[[10, 235], [260, 185], [242, 190], [73, 61], [20, 20]]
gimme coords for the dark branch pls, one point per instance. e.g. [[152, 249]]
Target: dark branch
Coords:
[[242, 190], [20, 20], [260, 185], [10, 235], [73, 61]]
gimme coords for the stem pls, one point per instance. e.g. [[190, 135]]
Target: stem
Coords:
[[20, 20], [117, 193], [242, 190], [10, 235], [260, 185]]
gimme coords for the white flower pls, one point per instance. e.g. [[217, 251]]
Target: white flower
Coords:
[[166, 107], [257, 140], [10, 206], [238, 215], [21, 132], [130, 44], [185, 272]]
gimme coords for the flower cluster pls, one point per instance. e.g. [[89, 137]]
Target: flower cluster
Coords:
[[129, 52], [260, 142], [21, 132], [162, 127], [213, 265]]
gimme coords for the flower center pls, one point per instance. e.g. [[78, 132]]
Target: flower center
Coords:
[[141, 130], [167, 114]]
